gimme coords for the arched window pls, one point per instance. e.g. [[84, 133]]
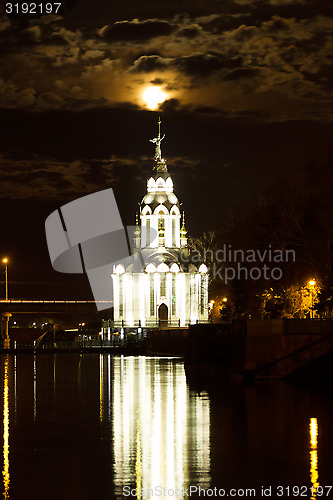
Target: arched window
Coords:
[[150, 268], [160, 183], [151, 184], [169, 184], [203, 269], [119, 269], [162, 268]]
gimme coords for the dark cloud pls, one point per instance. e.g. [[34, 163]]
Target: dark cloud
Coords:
[[157, 81], [45, 178], [201, 65], [147, 64], [240, 73], [189, 32], [136, 30], [170, 106], [50, 66]]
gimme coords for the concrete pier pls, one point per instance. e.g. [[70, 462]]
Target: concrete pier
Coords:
[[259, 349]]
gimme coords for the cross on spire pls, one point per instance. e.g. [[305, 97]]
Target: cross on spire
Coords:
[[157, 141]]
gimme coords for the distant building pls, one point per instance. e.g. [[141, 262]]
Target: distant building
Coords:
[[171, 291]]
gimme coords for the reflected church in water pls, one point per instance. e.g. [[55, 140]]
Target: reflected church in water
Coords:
[[154, 441], [88, 426]]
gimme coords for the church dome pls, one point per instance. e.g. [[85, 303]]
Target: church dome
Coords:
[[161, 255], [156, 199]]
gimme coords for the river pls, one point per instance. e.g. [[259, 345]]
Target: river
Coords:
[[91, 427]]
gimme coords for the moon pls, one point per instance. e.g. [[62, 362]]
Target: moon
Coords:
[[153, 97]]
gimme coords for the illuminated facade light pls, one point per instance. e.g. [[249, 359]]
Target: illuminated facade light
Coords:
[[171, 291]]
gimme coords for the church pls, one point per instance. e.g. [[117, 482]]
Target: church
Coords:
[[170, 290]]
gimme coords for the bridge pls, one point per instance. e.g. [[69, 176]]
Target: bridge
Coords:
[[17, 306], [68, 312]]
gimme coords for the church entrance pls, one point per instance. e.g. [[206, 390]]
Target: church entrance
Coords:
[[163, 315]]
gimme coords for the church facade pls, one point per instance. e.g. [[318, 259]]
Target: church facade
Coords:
[[169, 290]]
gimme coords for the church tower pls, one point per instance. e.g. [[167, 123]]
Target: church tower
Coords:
[[170, 291]]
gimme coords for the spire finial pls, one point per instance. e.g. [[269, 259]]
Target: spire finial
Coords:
[[137, 228], [182, 229], [157, 141]]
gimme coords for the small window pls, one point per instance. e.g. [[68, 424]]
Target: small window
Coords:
[[163, 285], [173, 232], [147, 232], [121, 296], [173, 295], [152, 295]]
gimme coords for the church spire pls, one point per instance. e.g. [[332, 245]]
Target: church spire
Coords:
[[183, 232]]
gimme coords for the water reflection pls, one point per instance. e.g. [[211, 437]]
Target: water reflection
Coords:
[[35, 387], [91, 424], [154, 438], [5, 471], [314, 456]]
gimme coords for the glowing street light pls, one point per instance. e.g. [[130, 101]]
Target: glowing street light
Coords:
[[5, 261], [225, 299], [211, 305], [311, 283]]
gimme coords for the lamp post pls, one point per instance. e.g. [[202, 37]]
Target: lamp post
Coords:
[[6, 315], [211, 305], [312, 284], [5, 261]]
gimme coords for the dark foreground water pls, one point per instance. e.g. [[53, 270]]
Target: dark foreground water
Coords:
[[93, 427]]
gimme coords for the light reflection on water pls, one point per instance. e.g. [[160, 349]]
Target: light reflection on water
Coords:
[[314, 476], [152, 426], [81, 427], [5, 471]]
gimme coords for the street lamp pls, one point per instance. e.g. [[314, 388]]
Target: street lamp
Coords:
[[5, 261], [312, 284], [211, 305]]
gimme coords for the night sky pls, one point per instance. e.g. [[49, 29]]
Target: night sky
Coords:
[[248, 87]]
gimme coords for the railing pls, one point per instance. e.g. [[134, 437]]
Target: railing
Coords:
[[28, 301], [150, 324], [72, 345]]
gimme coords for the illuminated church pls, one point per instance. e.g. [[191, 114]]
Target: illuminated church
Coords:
[[169, 290]]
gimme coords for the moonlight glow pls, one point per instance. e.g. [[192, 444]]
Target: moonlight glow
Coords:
[[153, 96]]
